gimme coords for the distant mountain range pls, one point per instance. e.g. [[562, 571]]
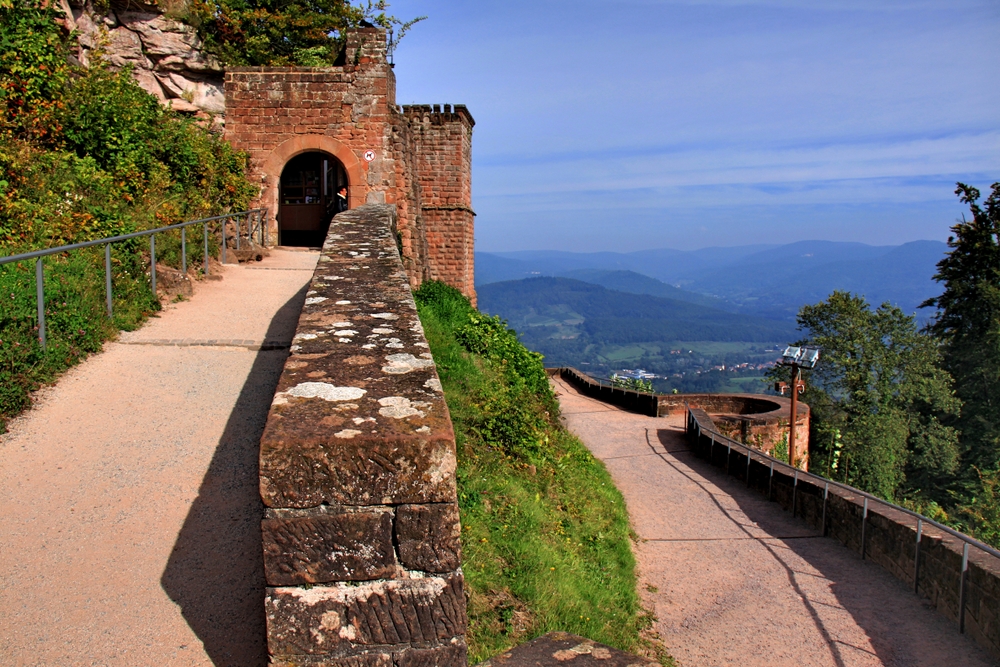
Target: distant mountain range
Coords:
[[569, 320], [768, 280]]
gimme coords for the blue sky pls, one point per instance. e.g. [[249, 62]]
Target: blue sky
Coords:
[[623, 125]]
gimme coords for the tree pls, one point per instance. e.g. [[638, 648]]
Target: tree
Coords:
[[879, 387], [285, 32], [968, 324]]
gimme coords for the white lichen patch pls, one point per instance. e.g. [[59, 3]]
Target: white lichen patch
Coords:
[[343, 302], [427, 429], [358, 421], [345, 332], [369, 346], [324, 390], [313, 300], [417, 327], [399, 407], [346, 434], [395, 343], [345, 340], [382, 330], [385, 316], [421, 344], [334, 277], [306, 336], [339, 325], [435, 385], [400, 364]]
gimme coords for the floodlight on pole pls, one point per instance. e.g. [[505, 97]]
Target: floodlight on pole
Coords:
[[797, 358]]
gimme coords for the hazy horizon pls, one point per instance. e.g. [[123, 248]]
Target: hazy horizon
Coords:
[[735, 245]]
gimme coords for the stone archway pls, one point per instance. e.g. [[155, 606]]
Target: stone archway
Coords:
[[276, 160]]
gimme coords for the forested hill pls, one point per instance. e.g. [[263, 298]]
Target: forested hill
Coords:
[[553, 313], [771, 281]]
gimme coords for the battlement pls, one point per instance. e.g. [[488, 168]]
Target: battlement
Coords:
[[438, 112]]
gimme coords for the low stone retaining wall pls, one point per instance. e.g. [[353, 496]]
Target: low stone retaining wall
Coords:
[[357, 472], [628, 399], [880, 533], [760, 421]]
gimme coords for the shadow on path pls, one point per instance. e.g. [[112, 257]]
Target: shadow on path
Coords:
[[216, 572], [909, 633]]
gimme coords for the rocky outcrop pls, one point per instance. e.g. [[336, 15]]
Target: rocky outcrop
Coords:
[[166, 55]]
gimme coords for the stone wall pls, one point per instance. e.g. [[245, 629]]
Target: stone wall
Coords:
[[884, 535], [761, 421], [357, 472], [417, 158], [441, 151]]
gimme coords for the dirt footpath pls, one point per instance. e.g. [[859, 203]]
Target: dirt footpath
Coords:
[[734, 580], [131, 518]]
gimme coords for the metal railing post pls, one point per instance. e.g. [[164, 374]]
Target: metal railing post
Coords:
[[748, 466], [916, 557], [826, 493], [107, 278], [239, 231], [40, 300], [729, 453], [204, 265], [152, 263], [795, 491], [223, 241], [770, 482], [864, 526], [961, 587], [184, 251]]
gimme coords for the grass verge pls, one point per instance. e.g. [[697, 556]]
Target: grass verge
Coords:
[[546, 537]]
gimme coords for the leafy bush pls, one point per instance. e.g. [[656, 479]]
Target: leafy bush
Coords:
[[545, 531], [285, 32], [87, 154]]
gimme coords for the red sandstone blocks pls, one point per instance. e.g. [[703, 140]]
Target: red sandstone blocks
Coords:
[[342, 618], [327, 545], [428, 537]]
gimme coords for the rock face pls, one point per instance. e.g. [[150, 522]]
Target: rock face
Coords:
[[166, 55]]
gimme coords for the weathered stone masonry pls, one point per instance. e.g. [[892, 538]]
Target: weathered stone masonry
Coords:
[[421, 155], [357, 472]]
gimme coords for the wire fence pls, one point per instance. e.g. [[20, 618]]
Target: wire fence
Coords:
[[253, 220]]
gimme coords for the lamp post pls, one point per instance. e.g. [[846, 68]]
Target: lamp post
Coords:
[[797, 358]]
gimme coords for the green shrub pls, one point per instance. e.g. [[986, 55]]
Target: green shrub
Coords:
[[545, 532], [87, 154]]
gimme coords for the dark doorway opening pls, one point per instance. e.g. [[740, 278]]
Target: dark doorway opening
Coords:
[[308, 190]]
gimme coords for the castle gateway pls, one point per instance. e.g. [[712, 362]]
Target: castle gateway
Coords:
[[312, 131]]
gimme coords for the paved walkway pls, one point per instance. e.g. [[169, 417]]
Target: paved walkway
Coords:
[[734, 580], [130, 530]]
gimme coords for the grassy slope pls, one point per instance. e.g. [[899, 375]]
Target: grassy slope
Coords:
[[545, 531]]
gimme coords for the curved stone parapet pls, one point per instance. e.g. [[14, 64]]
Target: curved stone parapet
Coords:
[[357, 471], [754, 419]]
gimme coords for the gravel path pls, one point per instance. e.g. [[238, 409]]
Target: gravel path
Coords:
[[131, 522], [734, 580]]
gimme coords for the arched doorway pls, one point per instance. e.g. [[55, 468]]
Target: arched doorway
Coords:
[[307, 190]]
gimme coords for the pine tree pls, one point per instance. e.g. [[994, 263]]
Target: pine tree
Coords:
[[968, 324]]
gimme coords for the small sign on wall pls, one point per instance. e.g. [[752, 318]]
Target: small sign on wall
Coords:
[[369, 156]]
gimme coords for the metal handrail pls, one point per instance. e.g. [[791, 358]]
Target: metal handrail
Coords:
[[921, 519], [255, 222], [612, 385]]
